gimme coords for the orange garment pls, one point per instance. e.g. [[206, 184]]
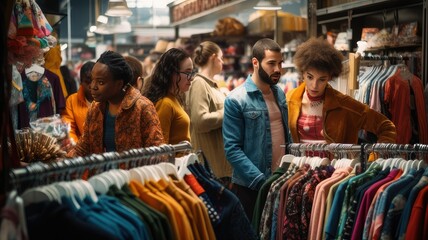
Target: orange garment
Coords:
[[157, 203], [200, 209], [172, 191], [194, 184], [53, 63], [75, 112], [185, 230]]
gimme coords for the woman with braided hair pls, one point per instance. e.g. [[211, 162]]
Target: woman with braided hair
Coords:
[[120, 118]]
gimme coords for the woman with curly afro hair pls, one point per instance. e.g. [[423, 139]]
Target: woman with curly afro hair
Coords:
[[317, 113]]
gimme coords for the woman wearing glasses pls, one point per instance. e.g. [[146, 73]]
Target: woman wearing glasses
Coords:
[[170, 79], [205, 104]]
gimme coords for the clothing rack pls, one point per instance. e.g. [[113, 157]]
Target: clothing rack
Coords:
[[39, 173], [332, 148], [392, 148]]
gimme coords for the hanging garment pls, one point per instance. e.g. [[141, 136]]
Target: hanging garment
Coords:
[[43, 98]]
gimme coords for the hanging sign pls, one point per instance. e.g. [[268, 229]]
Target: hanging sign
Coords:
[[180, 10]]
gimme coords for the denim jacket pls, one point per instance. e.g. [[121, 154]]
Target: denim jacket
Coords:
[[246, 133]]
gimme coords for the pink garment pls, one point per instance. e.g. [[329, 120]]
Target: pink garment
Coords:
[[277, 130], [369, 229], [316, 224], [369, 195]]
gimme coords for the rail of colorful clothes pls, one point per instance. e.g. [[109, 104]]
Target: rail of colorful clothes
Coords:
[[330, 150], [411, 151], [39, 173], [313, 199], [153, 199]]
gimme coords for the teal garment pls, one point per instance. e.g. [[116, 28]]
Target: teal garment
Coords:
[[109, 134], [142, 210], [331, 225], [94, 218], [382, 204], [393, 214], [261, 196], [405, 216], [350, 191], [127, 215], [161, 219], [127, 230], [354, 207]]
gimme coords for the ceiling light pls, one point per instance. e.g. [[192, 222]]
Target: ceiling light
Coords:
[[114, 25], [267, 5], [118, 8]]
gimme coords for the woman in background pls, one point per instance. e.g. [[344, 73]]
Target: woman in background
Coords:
[[137, 71], [77, 104], [120, 119], [170, 79], [205, 104]]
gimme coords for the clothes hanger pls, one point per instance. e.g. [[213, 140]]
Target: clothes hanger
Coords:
[[77, 190], [53, 193], [124, 175], [65, 190], [407, 165], [150, 173], [169, 169], [324, 162], [36, 195], [115, 177], [139, 176], [89, 190], [99, 184], [287, 158], [160, 172], [187, 160]]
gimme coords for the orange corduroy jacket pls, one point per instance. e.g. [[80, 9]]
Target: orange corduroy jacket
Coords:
[[343, 117]]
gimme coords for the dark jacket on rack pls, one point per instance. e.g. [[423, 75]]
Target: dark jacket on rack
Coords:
[[343, 117], [137, 125]]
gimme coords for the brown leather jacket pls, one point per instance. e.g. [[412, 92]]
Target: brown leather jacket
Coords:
[[137, 125], [343, 117]]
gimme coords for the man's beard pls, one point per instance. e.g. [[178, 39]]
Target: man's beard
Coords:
[[266, 78]]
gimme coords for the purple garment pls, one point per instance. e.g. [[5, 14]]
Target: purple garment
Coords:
[[45, 108], [365, 204]]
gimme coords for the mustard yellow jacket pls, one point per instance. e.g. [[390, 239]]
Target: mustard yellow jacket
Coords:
[[343, 117]]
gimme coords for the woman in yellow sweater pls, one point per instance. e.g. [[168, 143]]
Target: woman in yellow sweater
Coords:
[[170, 79]]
